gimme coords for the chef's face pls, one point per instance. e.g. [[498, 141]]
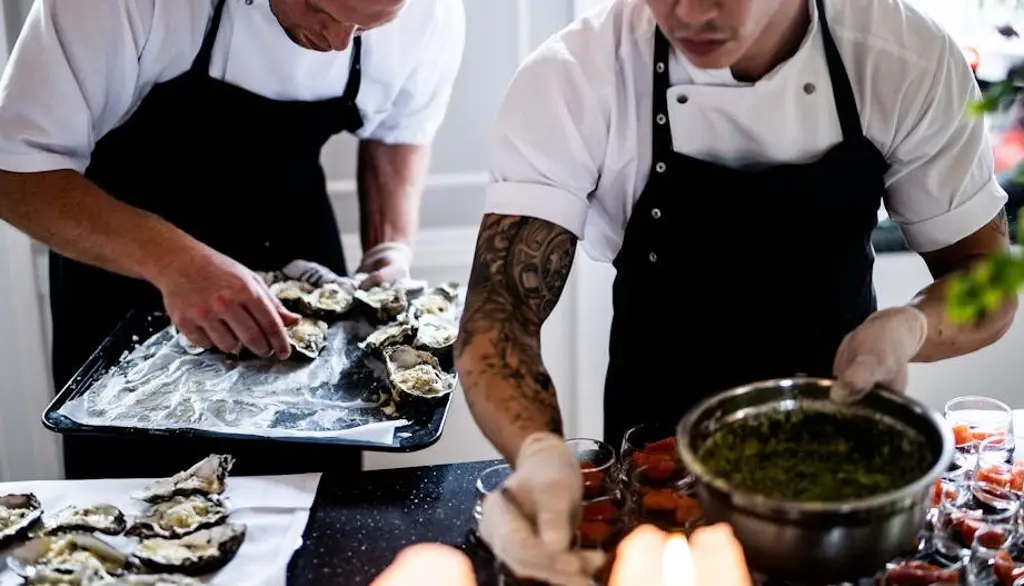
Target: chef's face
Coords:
[[330, 25], [715, 34]]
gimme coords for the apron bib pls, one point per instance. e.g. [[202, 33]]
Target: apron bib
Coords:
[[748, 275], [239, 172]]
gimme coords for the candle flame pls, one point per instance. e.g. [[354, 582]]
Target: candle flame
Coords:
[[677, 563]]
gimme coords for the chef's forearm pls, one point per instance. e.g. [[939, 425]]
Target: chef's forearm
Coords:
[[390, 183], [71, 215], [947, 339]]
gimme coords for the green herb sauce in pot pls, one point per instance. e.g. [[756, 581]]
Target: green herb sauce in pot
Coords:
[[806, 455]]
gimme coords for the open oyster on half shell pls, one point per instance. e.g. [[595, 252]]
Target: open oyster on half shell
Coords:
[[435, 333], [384, 301], [70, 554], [199, 553], [396, 334], [102, 518], [206, 477], [330, 301], [149, 580], [292, 294], [179, 516], [416, 373], [308, 336], [19, 513], [440, 302]]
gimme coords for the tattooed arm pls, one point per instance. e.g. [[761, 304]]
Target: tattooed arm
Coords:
[[519, 271], [946, 340]]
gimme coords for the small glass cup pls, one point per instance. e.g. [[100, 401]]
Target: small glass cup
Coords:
[[598, 464], [975, 419], [993, 465], [667, 502], [991, 562], [962, 513], [646, 445], [912, 572], [489, 481], [603, 522]]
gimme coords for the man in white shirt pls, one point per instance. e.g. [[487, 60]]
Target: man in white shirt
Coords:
[[729, 158], [167, 149]]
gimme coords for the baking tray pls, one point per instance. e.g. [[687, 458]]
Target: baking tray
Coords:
[[423, 431]]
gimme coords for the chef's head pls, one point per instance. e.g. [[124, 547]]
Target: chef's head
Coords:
[[717, 34], [330, 25]]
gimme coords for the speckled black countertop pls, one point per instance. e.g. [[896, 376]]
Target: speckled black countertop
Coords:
[[359, 523]]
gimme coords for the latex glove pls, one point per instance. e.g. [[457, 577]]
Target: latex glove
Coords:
[[388, 262], [877, 353], [428, 564], [314, 274], [713, 557], [530, 524]]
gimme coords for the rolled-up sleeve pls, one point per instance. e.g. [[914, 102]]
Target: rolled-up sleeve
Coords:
[[422, 102], [549, 141], [942, 185], [70, 79]]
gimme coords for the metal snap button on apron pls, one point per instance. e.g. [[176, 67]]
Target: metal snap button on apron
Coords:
[[660, 67], [248, 2], [661, 119], [652, 257], [809, 88], [655, 213], [682, 98], [660, 167]]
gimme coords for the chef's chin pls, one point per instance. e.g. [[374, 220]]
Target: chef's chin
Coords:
[[303, 40], [708, 54]]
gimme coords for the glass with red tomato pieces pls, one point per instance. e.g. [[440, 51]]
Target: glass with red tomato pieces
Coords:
[[602, 522], [992, 561], [598, 465], [667, 502], [649, 445], [921, 573], [993, 465], [973, 506], [975, 419]]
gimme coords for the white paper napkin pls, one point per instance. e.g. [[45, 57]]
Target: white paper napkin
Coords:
[[274, 509]]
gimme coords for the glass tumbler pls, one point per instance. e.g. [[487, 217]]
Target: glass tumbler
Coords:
[[648, 444], [993, 465], [667, 502], [991, 561], [598, 464], [975, 419], [489, 481], [965, 511]]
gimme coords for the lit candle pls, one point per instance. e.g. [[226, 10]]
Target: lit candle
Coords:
[[677, 567]]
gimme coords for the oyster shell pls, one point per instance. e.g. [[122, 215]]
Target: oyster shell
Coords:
[[206, 477], [431, 304], [102, 518], [435, 333], [70, 554], [399, 333], [18, 514], [196, 554], [308, 336], [149, 580], [178, 517], [293, 295], [417, 373], [330, 301], [385, 302]]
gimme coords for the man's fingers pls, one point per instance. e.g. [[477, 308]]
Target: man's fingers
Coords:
[[221, 335], [265, 310], [555, 525], [372, 280], [244, 325], [195, 335], [857, 379], [428, 564]]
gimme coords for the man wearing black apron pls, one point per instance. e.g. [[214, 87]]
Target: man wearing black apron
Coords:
[[240, 173], [734, 266]]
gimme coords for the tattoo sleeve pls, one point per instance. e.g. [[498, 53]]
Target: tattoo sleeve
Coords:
[[519, 271]]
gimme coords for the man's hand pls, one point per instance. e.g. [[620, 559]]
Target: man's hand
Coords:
[[531, 523], [877, 353], [215, 301], [388, 262], [428, 564]]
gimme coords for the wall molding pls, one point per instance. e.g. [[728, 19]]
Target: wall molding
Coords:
[[434, 182]]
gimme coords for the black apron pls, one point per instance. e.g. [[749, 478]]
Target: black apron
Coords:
[[730, 276], [239, 172]]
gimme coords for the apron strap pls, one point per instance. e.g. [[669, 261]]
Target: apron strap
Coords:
[[846, 101], [355, 75], [201, 64]]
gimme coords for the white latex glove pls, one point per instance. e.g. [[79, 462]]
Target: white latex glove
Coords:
[[531, 523], [877, 353], [315, 274], [428, 564], [388, 262]]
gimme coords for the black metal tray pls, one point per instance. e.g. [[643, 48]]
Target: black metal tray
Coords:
[[424, 430]]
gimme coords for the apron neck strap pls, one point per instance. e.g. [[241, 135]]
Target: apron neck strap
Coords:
[[355, 70], [201, 64], [846, 101]]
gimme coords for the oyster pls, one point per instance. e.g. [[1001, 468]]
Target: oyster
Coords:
[[417, 373], [293, 295], [206, 477], [308, 336], [18, 514], [385, 302], [71, 554], [149, 580], [330, 301], [103, 518], [399, 333], [200, 553], [435, 333], [179, 517]]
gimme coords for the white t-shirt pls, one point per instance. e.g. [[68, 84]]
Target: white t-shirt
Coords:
[[573, 139], [81, 68]]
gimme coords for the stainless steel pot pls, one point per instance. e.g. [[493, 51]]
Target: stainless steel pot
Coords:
[[816, 542]]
